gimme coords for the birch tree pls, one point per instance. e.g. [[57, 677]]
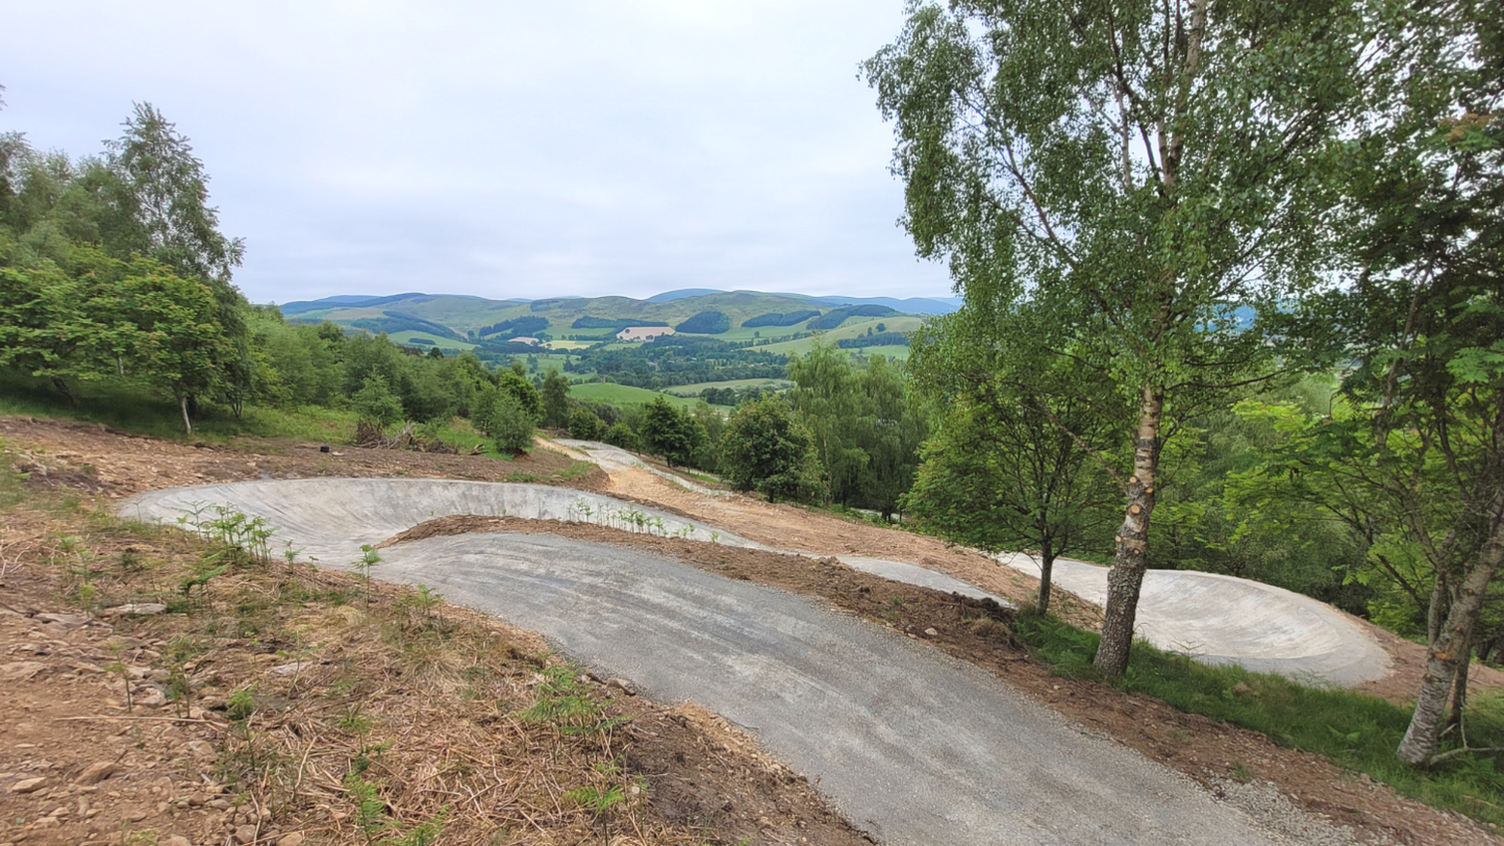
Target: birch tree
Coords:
[[1140, 170]]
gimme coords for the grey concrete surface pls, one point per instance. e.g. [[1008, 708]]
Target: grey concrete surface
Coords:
[[1226, 620], [610, 458], [908, 743], [1216, 619], [913, 574], [329, 518], [912, 745]]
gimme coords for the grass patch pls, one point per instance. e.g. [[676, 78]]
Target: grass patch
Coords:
[[610, 393], [1353, 730], [125, 407], [693, 390], [12, 484]]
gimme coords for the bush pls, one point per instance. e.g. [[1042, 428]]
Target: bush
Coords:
[[509, 424], [585, 426], [766, 450], [670, 431], [621, 435], [376, 404]]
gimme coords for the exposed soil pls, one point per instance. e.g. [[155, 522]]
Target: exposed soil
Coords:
[[92, 458], [718, 763], [238, 715]]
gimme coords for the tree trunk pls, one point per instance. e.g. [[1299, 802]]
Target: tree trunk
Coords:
[[1046, 565], [1126, 576], [1445, 652], [62, 388], [183, 407], [1459, 688]]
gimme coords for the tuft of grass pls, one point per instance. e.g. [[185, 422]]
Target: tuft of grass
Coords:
[[12, 483], [1353, 730]]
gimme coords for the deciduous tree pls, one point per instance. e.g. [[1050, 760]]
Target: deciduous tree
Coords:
[[765, 449], [1139, 169], [1007, 468]]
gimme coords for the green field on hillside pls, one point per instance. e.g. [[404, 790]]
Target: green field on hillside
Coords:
[[739, 384], [406, 337], [889, 351], [610, 393], [762, 332], [852, 329]]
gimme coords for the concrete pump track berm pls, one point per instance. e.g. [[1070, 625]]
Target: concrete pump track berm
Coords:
[[908, 743]]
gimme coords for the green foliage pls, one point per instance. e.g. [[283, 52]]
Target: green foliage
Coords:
[[670, 431], [1355, 731], [1222, 511], [555, 400], [836, 316], [565, 704], [866, 434], [522, 391], [710, 429], [706, 323], [777, 318], [584, 425], [1135, 177], [370, 556], [502, 418], [765, 449], [165, 190], [621, 435], [376, 404]]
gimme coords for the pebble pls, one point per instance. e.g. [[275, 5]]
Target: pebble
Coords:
[[139, 609], [97, 772], [71, 621], [294, 839], [20, 670], [29, 785], [245, 834]]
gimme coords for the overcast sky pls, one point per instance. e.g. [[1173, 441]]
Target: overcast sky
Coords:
[[502, 149]]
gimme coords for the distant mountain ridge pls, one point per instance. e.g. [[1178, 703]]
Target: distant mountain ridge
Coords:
[[910, 305], [464, 322]]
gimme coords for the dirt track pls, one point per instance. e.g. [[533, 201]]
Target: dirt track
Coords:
[[908, 744], [85, 458]]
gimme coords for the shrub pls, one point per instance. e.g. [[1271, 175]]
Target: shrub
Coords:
[[621, 435], [376, 404], [585, 426], [765, 449], [509, 424]]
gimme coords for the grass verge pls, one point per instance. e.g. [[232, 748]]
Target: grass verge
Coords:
[[128, 409], [1353, 730]]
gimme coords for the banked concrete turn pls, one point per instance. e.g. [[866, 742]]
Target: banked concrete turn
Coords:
[[914, 746]]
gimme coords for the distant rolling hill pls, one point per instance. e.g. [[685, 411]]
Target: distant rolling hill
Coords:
[[442, 317]]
